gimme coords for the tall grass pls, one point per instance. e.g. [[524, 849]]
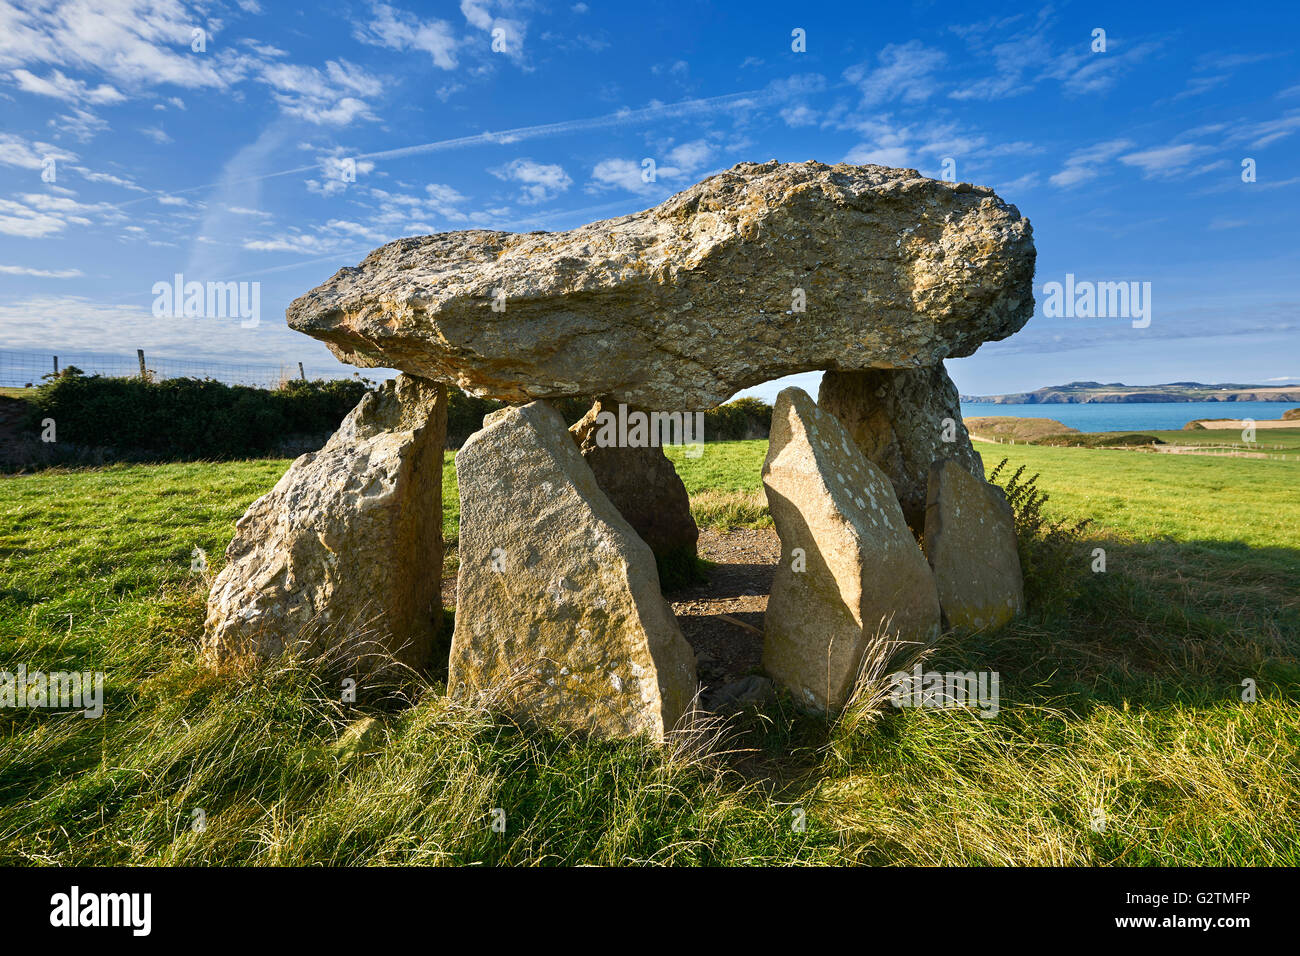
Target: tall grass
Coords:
[[1126, 700]]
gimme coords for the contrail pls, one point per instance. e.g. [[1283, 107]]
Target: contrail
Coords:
[[620, 118]]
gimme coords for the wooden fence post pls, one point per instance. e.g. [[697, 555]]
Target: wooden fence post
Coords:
[[140, 354]]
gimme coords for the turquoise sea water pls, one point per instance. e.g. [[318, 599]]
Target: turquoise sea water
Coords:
[[1132, 416]]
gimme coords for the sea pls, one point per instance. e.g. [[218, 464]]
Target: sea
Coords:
[[1131, 416]]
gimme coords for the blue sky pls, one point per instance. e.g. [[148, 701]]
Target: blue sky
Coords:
[[227, 163]]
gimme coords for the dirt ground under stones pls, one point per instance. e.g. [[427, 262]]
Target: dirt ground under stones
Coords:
[[723, 619]]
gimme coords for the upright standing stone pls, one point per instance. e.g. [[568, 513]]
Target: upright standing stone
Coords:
[[970, 541], [851, 573], [646, 490], [559, 614], [343, 557], [903, 419]]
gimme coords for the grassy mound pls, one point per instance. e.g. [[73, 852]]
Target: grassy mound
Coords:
[[1101, 440], [1020, 429]]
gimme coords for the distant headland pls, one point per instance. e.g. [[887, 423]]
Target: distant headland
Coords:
[[1115, 392]]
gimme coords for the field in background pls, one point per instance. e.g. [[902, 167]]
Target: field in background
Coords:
[[1125, 701]]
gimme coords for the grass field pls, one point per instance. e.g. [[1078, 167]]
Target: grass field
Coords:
[[1122, 736]]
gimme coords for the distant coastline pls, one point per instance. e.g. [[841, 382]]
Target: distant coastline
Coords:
[[1084, 393]]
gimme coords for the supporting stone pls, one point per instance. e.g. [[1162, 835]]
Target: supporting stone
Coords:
[[903, 420], [343, 557], [646, 490], [559, 616], [851, 573], [970, 542]]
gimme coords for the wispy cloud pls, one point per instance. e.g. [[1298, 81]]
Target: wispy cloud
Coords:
[[41, 273], [903, 71], [541, 181]]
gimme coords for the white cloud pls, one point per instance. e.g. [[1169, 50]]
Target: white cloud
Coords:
[[799, 116], [96, 177], [81, 124], [157, 134], [1163, 159], [357, 229], [541, 182], [868, 154], [135, 43], [30, 154], [1082, 165], [337, 171], [37, 215], [618, 173], [322, 97], [1087, 72], [399, 30], [512, 31], [905, 72], [90, 325], [409, 214], [676, 165], [139, 45], [887, 145], [688, 157], [66, 88], [41, 273], [1259, 135]]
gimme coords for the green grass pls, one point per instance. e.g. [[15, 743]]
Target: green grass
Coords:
[[1127, 699], [1280, 440]]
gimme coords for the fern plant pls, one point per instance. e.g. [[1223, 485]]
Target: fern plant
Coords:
[[1051, 552]]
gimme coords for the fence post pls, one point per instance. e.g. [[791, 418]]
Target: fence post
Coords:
[[301, 374], [140, 354], [56, 366]]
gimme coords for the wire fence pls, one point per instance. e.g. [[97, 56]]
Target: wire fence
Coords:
[[21, 369]]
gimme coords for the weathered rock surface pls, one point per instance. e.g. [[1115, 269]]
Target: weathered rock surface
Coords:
[[970, 542], [343, 557], [559, 614], [646, 490], [863, 576], [682, 305], [903, 420]]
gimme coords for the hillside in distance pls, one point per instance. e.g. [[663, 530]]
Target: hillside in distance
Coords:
[[1089, 392]]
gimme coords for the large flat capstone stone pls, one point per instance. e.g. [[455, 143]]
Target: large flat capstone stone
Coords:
[[851, 573], [758, 272], [559, 616]]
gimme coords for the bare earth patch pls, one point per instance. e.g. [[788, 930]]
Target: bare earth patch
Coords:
[[723, 619], [1237, 424]]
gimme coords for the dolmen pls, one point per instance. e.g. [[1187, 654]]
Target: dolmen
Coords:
[[889, 531]]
